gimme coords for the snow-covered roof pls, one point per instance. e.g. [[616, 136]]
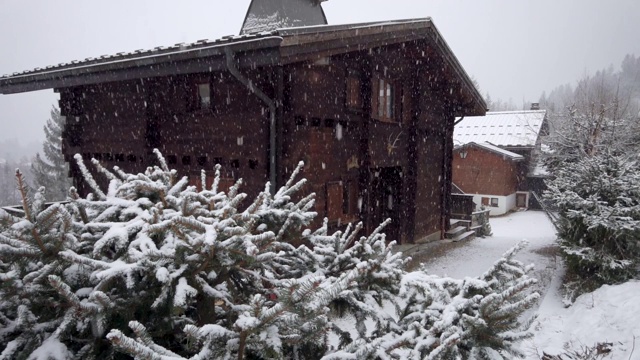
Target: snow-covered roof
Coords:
[[487, 146], [504, 128], [268, 15]]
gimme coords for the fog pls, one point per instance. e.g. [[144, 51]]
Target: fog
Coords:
[[514, 49]]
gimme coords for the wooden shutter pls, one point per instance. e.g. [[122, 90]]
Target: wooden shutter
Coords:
[[350, 198], [334, 200], [354, 97], [375, 96]]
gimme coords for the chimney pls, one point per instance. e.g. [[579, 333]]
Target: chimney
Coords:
[[535, 106], [269, 15]]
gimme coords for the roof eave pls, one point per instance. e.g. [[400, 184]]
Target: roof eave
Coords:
[[514, 157], [261, 51]]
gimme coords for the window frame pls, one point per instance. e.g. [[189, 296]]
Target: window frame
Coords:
[[195, 101], [384, 105], [353, 90]]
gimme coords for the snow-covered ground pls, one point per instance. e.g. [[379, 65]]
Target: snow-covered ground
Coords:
[[609, 315], [476, 256]]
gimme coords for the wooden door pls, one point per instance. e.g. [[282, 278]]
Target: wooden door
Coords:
[[521, 200], [387, 200]]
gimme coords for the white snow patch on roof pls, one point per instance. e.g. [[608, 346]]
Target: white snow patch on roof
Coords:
[[257, 24], [497, 150], [505, 128]]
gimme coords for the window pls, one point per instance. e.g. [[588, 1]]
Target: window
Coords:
[[494, 202], [353, 93], [199, 94], [204, 95], [384, 100]]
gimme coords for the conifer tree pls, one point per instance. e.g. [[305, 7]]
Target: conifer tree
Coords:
[[49, 169], [444, 318], [31, 311], [599, 220]]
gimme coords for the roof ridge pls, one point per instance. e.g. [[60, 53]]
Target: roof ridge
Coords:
[[516, 111]]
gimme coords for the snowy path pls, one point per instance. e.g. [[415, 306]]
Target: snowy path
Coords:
[[476, 256], [611, 314], [473, 258]]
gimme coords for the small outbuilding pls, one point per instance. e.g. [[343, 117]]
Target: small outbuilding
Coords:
[[491, 175], [497, 158]]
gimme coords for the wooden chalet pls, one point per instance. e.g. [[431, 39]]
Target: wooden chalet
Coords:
[[369, 107]]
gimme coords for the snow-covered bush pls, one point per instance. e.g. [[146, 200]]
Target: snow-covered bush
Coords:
[[599, 219], [445, 318], [156, 269]]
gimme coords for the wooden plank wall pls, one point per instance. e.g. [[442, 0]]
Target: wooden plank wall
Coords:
[[484, 172], [120, 124], [124, 121]]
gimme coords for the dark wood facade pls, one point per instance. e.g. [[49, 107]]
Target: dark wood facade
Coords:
[[372, 118], [485, 172]]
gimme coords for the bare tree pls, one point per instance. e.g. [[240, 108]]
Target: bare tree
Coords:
[[600, 117]]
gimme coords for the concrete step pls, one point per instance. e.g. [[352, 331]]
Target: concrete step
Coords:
[[456, 231], [469, 235], [477, 229], [459, 222]]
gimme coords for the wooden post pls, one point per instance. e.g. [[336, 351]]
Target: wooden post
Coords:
[[364, 156], [411, 179]]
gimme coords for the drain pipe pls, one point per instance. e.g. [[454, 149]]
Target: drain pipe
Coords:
[[231, 66]]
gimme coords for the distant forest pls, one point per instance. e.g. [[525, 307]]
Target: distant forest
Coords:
[[606, 85], [622, 83]]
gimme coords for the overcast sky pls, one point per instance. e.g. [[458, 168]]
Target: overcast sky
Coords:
[[515, 49]]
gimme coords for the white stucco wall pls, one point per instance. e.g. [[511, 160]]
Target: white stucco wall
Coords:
[[505, 203]]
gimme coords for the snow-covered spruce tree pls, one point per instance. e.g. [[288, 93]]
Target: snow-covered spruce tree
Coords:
[[176, 258], [49, 169], [599, 219], [162, 256], [278, 302], [445, 318], [32, 315]]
